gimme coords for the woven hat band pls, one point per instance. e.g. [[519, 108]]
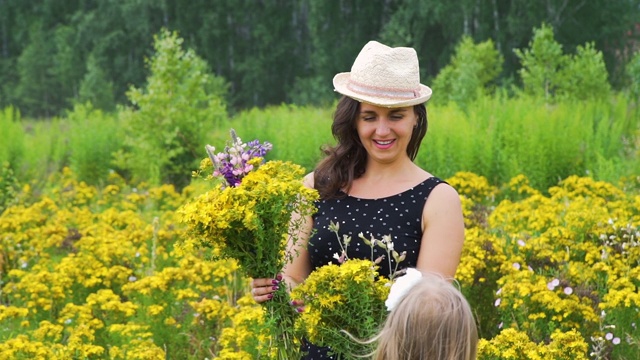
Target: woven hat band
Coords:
[[383, 92]]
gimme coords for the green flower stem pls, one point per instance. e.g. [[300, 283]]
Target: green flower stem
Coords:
[[281, 316]]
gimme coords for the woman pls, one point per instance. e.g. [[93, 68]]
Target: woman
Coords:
[[368, 182]]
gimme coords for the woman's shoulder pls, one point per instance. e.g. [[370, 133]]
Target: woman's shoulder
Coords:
[[443, 195], [308, 180]]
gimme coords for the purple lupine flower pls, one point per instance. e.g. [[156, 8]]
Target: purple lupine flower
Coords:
[[232, 163]]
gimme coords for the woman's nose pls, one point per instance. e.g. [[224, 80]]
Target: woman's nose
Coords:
[[383, 127]]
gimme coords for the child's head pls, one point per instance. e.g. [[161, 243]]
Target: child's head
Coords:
[[433, 321]]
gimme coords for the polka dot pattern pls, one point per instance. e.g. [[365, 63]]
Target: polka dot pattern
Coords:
[[399, 216]]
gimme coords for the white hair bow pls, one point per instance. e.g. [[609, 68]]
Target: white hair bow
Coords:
[[401, 287]]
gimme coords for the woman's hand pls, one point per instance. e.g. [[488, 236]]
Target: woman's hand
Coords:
[[298, 304], [262, 289]]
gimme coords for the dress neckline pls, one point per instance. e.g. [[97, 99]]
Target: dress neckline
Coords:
[[393, 195]]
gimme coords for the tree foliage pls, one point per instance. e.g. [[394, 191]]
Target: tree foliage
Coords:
[[548, 72], [277, 51], [167, 124], [541, 63], [633, 76], [472, 71], [585, 76]]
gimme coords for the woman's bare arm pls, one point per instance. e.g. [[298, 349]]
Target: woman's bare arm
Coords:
[[443, 232]]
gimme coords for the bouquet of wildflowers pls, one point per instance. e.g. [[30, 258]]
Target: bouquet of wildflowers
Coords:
[[344, 307], [248, 218], [347, 304]]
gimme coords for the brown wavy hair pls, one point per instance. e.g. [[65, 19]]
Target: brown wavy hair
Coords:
[[346, 161]]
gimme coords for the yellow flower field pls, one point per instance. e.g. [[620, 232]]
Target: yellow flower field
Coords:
[[96, 273]]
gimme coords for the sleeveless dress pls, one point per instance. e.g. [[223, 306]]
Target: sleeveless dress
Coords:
[[398, 215]]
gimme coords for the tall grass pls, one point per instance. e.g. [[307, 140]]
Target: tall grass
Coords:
[[496, 137], [93, 137], [11, 137], [500, 138], [84, 141], [45, 150], [297, 133]]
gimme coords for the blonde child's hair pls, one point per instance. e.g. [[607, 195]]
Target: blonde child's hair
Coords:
[[433, 321]]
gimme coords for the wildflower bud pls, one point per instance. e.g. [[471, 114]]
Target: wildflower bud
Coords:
[[234, 136], [346, 239], [379, 243], [212, 156], [364, 239], [379, 260], [402, 257], [396, 256], [390, 245], [334, 227]]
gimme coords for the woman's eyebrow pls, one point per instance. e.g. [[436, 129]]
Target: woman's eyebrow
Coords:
[[392, 111]]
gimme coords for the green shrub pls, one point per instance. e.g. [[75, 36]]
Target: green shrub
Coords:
[[585, 75], [166, 125], [548, 72], [472, 71], [633, 74], [541, 63]]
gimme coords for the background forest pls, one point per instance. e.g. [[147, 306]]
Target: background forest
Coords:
[[55, 53]]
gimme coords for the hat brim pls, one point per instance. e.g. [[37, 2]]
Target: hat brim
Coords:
[[340, 84]]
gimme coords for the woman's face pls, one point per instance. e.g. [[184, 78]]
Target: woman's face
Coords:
[[385, 132]]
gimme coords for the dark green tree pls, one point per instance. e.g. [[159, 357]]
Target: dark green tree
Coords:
[[96, 88], [281, 50], [68, 67], [258, 46], [35, 90], [119, 36], [337, 32]]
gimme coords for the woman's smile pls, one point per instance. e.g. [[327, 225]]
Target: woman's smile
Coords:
[[384, 144], [385, 132]]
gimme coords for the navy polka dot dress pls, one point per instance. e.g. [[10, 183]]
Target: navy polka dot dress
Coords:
[[399, 216]]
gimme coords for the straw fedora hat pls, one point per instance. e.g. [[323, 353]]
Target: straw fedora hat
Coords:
[[384, 76]]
